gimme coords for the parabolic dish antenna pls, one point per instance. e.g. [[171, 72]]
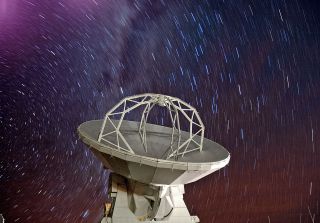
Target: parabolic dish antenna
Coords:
[[151, 163]]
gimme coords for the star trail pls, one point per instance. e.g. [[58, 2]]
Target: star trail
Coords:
[[251, 69]]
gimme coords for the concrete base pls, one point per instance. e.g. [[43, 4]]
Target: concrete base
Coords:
[[133, 202]]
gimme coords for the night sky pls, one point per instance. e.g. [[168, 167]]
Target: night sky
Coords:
[[251, 68]]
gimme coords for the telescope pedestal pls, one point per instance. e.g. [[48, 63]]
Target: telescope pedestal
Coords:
[[135, 202]]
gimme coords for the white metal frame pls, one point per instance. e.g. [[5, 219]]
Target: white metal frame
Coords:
[[177, 109]]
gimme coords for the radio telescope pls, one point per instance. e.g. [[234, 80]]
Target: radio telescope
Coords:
[[151, 163]]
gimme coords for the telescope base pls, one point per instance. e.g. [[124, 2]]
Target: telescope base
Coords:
[[134, 202]]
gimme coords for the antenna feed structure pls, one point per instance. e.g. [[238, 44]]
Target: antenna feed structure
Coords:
[[179, 112], [161, 100], [150, 164]]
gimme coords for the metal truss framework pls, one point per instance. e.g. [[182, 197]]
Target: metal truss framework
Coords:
[[178, 111]]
